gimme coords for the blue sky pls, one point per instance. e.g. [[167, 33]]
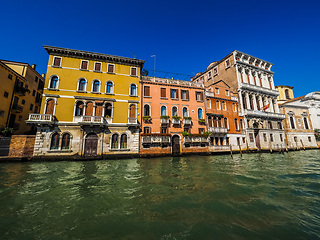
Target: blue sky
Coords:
[[185, 35]]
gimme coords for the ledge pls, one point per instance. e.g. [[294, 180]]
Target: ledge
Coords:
[[119, 150]]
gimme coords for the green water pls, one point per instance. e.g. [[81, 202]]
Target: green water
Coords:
[[258, 196]]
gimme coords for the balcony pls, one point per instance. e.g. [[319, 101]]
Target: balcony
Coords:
[[17, 108], [220, 130], [195, 139], [20, 90], [132, 120], [209, 94], [165, 121], [261, 114], [187, 122], [90, 120], [259, 89], [234, 98], [176, 121], [155, 139], [35, 118]]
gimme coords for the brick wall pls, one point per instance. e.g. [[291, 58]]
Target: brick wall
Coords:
[[21, 146]]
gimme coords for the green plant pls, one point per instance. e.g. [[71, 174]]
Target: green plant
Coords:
[[187, 118], [164, 117], [317, 134], [146, 117], [185, 133], [7, 132], [107, 116], [206, 133], [201, 120], [176, 117]]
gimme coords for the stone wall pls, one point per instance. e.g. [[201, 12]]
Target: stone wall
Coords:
[[21, 146]]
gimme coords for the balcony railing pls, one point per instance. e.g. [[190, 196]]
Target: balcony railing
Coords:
[[133, 120], [259, 89], [218, 130], [17, 108], [176, 121], [41, 117], [187, 121], [155, 139], [171, 81], [165, 121], [257, 113], [188, 139], [90, 120]]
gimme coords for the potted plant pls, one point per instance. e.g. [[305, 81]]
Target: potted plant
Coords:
[[164, 117], [187, 118], [201, 120], [146, 118], [176, 117]]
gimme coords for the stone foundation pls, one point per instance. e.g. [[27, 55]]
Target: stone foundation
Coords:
[[21, 146]]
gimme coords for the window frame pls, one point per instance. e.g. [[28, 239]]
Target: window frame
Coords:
[[57, 83], [112, 87], [85, 85], [95, 64], [92, 87], [113, 69], [134, 75], [136, 90], [53, 61]]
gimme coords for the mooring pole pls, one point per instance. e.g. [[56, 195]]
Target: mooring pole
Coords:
[[231, 151]]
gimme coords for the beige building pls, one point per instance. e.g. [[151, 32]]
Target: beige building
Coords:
[[252, 78], [285, 93], [21, 92]]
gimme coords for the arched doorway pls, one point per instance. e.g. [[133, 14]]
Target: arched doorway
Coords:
[[175, 141], [91, 145], [50, 107]]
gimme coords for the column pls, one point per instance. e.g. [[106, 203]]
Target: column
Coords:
[[276, 105], [247, 100], [255, 107], [271, 105], [261, 102], [240, 101]]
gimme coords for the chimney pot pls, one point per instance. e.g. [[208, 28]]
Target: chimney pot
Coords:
[[34, 66]]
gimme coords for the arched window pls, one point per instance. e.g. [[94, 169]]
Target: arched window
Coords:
[[287, 93], [241, 124], [115, 141], [109, 87], [163, 111], [123, 141], [200, 113], [82, 85], [208, 103], [234, 106], [218, 105], [50, 106], [54, 82], [225, 122], [174, 111], [133, 90], [96, 86], [306, 126], [89, 109], [108, 110], [292, 122], [185, 112], [224, 105], [79, 109], [236, 124], [210, 121], [146, 110], [65, 141], [55, 141]]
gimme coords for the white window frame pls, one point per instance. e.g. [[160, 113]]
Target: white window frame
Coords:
[[187, 111], [149, 109], [136, 71], [53, 61], [95, 67], [227, 63], [216, 90], [215, 71], [93, 84], [114, 66], [209, 105], [87, 65], [112, 89], [166, 113], [227, 92], [55, 105], [224, 105], [79, 85], [219, 105], [57, 86], [177, 110], [201, 113], [136, 93]]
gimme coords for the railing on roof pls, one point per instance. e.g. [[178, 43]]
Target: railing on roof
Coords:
[[172, 81]]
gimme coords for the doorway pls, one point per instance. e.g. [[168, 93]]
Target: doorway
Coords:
[[91, 145], [257, 138], [175, 141]]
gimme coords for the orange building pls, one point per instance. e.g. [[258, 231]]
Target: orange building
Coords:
[[224, 123], [172, 117]]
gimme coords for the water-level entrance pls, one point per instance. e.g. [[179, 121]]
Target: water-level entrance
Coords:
[[91, 145], [175, 141]]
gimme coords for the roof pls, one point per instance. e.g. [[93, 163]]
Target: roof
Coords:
[[284, 86], [294, 99], [22, 64], [58, 51]]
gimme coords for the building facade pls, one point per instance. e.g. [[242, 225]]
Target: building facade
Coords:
[[172, 117], [90, 105], [224, 123], [252, 78], [285, 93], [21, 93]]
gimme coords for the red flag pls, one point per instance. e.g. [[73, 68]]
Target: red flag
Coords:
[[266, 107]]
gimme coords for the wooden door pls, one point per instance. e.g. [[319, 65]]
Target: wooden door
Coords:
[[99, 109], [132, 113], [175, 145], [91, 145], [50, 107], [89, 109]]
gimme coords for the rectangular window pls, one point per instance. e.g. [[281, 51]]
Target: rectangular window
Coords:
[[33, 92], [227, 92], [36, 79], [185, 94], [57, 61], [6, 94], [201, 130], [244, 140], [217, 90], [271, 137], [146, 91], [281, 138], [163, 93], [10, 76], [164, 130], [133, 71], [215, 71], [309, 139], [174, 94], [251, 137], [31, 107], [209, 74], [84, 65], [227, 63], [110, 68], [146, 130], [265, 137], [1, 113], [97, 67], [199, 96]]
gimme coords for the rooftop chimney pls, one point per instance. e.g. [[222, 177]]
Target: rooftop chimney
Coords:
[[34, 66], [43, 75]]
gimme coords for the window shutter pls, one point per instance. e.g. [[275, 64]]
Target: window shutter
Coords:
[[97, 67], [110, 68], [171, 93], [57, 61], [163, 92], [201, 96], [134, 71], [187, 94], [181, 94], [84, 65], [146, 90]]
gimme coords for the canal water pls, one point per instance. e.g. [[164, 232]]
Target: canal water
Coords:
[[256, 196]]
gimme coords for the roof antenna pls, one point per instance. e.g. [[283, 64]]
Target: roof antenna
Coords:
[[134, 55]]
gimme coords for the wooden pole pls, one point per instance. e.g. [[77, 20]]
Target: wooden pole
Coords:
[[240, 147], [231, 151], [302, 145]]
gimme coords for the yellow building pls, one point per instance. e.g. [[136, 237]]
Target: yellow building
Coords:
[[285, 93], [21, 92], [90, 104]]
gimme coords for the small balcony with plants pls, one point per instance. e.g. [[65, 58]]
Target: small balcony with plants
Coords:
[[202, 121], [165, 120], [187, 121], [176, 120], [147, 119]]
